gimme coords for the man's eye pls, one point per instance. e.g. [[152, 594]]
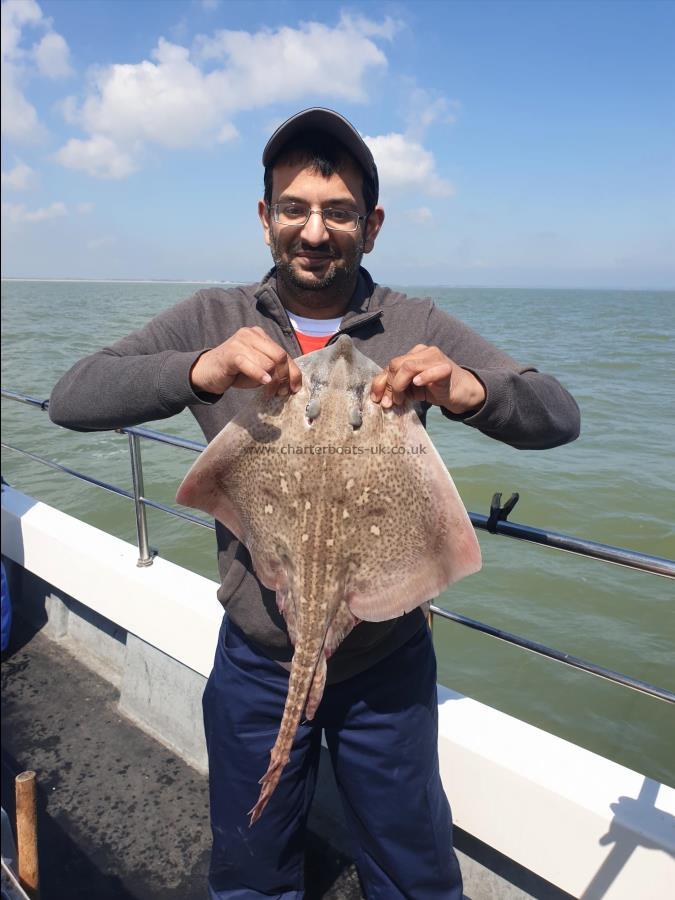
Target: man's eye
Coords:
[[339, 215], [293, 210]]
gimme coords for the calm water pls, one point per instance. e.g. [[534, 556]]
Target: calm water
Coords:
[[613, 350]]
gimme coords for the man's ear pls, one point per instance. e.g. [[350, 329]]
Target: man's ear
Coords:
[[373, 224], [264, 216]]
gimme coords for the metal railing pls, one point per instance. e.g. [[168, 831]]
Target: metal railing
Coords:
[[495, 523]]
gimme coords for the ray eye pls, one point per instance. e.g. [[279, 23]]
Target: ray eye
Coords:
[[313, 409]]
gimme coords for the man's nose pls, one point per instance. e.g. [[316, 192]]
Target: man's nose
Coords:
[[314, 230]]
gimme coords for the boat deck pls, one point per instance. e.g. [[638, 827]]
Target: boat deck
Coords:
[[121, 817]]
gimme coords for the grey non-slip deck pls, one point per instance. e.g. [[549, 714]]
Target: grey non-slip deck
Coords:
[[120, 816]]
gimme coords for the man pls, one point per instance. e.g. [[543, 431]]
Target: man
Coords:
[[379, 713]]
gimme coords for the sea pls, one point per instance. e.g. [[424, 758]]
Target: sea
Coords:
[[614, 350]]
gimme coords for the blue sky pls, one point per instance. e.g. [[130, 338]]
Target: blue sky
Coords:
[[519, 143]]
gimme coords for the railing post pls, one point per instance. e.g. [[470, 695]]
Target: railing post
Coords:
[[144, 553]]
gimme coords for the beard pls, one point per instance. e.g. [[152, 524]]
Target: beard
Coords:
[[338, 279]]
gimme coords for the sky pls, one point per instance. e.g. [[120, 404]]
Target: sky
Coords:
[[519, 144]]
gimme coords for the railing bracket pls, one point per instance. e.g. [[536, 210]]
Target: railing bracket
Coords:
[[500, 513]]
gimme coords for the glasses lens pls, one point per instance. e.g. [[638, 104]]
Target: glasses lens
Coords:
[[340, 219], [291, 213]]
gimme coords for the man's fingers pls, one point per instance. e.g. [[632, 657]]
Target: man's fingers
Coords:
[[286, 377], [294, 376], [247, 359], [284, 372], [439, 372], [390, 386], [417, 351], [283, 375], [251, 365], [378, 386], [257, 340], [403, 378], [408, 376], [387, 397]]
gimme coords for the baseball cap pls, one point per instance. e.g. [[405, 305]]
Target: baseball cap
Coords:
[[319, 119]]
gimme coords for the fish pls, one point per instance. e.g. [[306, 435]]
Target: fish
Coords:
[[346, 508]]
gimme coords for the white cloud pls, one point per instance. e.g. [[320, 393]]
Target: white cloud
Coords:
[[421, 215], [425, 108], [209, 5], [16, 14], [169, 102], [227, 133], [53, 56], [16, 213], [309, 60], [48, 57], [98, 156], [385, 29], [20, 178], [19, 117], [180, 99], [404, 163], [84, 208]]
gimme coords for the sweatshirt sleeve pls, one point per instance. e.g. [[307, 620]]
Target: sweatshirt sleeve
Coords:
[[523, 407], [142, 377]]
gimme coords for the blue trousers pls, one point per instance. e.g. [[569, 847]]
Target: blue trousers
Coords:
[[381, 729]]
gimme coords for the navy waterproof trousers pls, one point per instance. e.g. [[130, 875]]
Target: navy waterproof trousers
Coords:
[[381, 729]]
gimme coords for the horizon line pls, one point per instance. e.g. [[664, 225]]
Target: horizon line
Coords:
[[438, 284]]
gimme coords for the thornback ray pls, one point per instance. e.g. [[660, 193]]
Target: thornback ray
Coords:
[[346, 508]]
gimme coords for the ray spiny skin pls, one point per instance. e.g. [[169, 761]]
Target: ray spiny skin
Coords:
[[346, 508]]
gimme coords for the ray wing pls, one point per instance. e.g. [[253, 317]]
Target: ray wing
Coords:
[[409, 530], [244, 479]]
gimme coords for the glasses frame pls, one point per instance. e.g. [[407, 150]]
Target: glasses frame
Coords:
[[273, 208]]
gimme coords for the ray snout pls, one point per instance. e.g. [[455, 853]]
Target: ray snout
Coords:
[[343, 348]]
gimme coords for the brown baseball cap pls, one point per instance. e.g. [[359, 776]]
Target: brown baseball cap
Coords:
[[319, 119]]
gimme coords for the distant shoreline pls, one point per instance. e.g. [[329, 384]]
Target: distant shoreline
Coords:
[[472, 287], [120, 280]]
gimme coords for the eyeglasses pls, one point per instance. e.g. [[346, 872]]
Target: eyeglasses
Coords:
[[292, 213]]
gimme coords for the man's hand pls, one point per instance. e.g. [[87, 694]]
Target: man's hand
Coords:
[[426, 373], [248, 359]]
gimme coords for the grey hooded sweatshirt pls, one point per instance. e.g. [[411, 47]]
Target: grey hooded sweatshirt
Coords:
[[146, 376]]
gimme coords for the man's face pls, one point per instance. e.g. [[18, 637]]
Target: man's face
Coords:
[[313, 257]]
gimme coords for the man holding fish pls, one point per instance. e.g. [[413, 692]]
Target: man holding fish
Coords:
[[378, 709]]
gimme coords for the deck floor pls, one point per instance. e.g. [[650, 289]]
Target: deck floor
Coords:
[[120, 817]]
